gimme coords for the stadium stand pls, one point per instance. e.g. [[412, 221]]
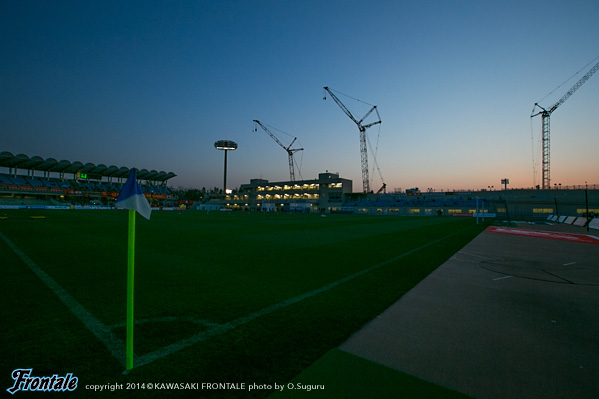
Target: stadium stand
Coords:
[[35, 180]]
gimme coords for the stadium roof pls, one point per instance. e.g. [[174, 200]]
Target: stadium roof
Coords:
[[22, 161]]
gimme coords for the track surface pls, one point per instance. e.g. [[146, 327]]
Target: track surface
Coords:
[[511, 315]]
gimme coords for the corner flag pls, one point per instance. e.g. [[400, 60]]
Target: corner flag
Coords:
[[131, 197]]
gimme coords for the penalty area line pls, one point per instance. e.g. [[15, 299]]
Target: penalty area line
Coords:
[[103, 333], [184, 343]]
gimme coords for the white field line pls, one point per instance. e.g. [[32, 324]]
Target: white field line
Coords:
[[184, 343], [117, 347], [501, 278], [103, 333]]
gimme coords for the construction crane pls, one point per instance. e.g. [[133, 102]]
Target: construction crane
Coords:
[[545, 117], [290, 151], [362, 129]]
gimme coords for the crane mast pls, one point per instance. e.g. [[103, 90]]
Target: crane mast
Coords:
[[290, 151], [362, 129], [545, 122]]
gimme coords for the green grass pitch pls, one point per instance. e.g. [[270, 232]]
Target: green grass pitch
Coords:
[[272, 292]]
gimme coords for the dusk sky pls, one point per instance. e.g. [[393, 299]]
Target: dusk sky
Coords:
[[153, 84]]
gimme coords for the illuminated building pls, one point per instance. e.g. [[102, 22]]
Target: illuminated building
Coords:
[[318, 195]]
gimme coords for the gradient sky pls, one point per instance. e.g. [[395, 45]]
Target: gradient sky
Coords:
[[153, 84]]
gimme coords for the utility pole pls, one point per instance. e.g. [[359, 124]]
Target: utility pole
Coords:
[[586, 200]]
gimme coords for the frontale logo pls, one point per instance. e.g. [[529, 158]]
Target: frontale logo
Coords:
[[24, 381]]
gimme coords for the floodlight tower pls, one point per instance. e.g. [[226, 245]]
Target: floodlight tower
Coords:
[[225, 145]]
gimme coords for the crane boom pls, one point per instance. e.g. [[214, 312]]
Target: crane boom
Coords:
[[342, 106], [575, 87], [290, 151], [362, 129], [545, 117]]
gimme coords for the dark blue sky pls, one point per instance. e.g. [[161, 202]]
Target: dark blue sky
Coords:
[[153, 85]]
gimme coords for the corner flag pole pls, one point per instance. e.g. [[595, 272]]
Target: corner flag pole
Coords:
[[130, 286], [131, 197]]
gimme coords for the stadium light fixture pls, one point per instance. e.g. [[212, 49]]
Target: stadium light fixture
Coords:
[[226, 146]]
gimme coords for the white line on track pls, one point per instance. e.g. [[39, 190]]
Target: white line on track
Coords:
[[501, 278], [568, 264]]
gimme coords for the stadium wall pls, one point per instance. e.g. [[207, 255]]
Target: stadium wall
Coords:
[[527, 204]]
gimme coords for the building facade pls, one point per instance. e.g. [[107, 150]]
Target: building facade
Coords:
[[303, 196]]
